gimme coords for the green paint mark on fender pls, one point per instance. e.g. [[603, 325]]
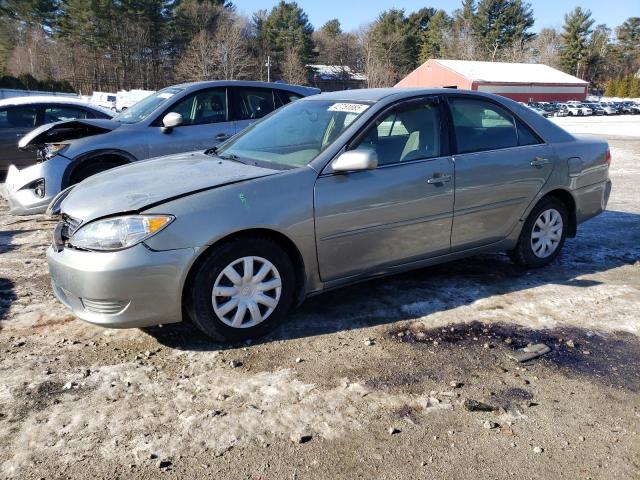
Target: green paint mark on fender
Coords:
[[243, 200]]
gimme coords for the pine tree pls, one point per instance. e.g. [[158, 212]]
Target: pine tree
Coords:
[[622, 87], [576, 30], [434, 36], [610, 88], [499, 25], [287, 26]]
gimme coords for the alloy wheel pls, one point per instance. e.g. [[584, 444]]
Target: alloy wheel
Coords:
[[546, 233], [246, 292]]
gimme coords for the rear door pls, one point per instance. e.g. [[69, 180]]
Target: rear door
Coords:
[[397, 213], [500, 164], [206, 123], [248, 104], [15, 122]]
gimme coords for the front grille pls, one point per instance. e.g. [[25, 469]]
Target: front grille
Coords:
[[69, 226], [104, 307], [65, 228]]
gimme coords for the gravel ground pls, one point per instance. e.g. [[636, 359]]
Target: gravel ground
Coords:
[[372, 381]]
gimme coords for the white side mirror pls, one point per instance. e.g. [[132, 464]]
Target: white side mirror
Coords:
[[356, 160], [171, 120]]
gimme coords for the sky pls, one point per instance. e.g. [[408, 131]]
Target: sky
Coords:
[[354, 13]]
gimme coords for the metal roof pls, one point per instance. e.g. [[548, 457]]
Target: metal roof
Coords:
[[502, 72]]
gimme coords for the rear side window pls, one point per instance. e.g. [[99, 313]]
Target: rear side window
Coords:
[[58, 113], [526, 136], [481, 126], [252, 103], [18, 117]]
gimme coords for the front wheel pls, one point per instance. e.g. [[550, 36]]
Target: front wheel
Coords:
[[543, 234], [242, 289]]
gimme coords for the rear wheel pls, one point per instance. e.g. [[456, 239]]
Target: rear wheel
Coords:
[[543, 234], [243, 289]]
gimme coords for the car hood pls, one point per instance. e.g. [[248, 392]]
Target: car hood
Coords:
[[141, 185], [67, 130]]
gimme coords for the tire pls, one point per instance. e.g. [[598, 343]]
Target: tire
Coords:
[[524, 254], [208, 311], [92, 168]]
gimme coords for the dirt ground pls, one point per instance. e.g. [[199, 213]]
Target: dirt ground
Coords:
[[365, 382]]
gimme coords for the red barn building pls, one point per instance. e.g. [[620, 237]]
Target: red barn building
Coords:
[[523, 82]]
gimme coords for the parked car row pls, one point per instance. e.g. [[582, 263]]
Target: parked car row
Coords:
[[326, 191], [583, 109]]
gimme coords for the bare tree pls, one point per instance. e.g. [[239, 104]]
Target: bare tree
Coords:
[[293, 69], [377, 63], [222, 55], [231, 52]]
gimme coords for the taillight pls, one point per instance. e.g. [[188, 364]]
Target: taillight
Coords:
[[608, 157]]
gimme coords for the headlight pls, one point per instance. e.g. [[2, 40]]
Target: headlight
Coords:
[[52, 149], [117, 233]]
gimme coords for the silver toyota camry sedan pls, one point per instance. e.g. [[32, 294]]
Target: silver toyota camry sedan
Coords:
[[327, 191]]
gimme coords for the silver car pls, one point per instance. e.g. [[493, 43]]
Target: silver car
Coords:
[[329, 190], [177, 119], [20, 115]]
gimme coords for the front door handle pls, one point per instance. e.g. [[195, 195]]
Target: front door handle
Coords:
[[222, 136], [439, 178], [539, 162]]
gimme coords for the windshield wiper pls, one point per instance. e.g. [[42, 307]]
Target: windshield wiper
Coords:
[[229, 156]]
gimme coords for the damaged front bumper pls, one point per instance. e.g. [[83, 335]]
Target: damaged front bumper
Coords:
[[30, 190]]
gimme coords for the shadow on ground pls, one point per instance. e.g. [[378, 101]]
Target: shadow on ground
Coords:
[[7, 297], [599, 247]]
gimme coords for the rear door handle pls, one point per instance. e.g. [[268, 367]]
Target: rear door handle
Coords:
[[222, 136], [439, 178], [539, 162]]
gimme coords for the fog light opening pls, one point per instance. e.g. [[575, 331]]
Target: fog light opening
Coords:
[[38, 188]]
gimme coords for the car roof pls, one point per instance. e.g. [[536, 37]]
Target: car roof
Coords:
[[249, 83], [67, 100], [377, 94]]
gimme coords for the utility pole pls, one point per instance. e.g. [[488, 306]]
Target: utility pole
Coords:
[[268, 65]]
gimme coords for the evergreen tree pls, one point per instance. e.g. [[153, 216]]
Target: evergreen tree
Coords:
[[500, 24], [622, 87], [287, 26], [576, 30], [610, 88], [628, 35], [433, 37]]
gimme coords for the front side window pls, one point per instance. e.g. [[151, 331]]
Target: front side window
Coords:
[[58, 113], [18, 117], [145, 107], [408, 133], [481, 126], [205, 106], [252, 103], [294, 135]]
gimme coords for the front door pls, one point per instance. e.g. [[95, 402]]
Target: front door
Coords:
[[401, 211], [500, 166], [205, 117]]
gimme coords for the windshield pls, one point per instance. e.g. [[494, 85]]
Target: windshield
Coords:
[[142, 109], [295, 134]]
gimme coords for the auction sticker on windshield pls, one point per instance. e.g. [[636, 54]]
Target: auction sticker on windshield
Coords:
[[348, 107]]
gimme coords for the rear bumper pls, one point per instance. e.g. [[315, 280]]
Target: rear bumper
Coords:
[[591, 200], [131, 288], [19, 190]]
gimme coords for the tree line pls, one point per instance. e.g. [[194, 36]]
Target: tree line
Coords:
[[107, 45]]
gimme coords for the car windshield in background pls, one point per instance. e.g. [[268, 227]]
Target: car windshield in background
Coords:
[[142, 109], [296, 134]]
